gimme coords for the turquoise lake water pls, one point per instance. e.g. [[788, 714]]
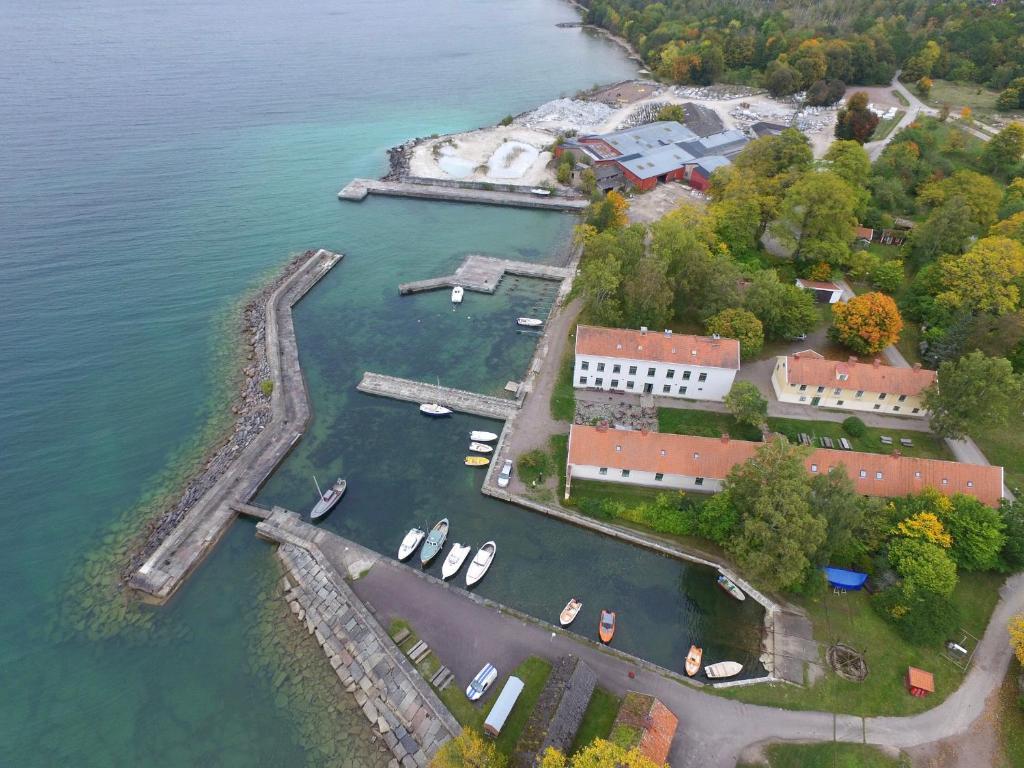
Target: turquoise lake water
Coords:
[[156, 161]]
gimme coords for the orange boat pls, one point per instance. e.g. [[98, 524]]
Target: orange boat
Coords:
[[606, 628], [693, 660]]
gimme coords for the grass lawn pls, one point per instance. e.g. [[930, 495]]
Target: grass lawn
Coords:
[[533, 672], [598, 719], [828, 755], [900, 97], [884, 128], [849, 618], [981, 100], [1011, 721], [711, 424], [1004, 447], [563, 397]]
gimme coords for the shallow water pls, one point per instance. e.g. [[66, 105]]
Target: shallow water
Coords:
[[156, 160]]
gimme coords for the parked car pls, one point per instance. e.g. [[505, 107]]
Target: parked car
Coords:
[[483, 680], [506, 474], [800, 337]]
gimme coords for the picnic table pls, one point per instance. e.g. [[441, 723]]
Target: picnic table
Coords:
[[886, 440], [845, 444], [906, 442]]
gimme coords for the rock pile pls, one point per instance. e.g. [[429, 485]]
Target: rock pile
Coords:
[[567, 114], [617, 414]]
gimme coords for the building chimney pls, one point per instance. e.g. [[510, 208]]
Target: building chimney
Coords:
[[602, 426], [896, 453], [876, 362], [725, 437], [643, 330], [917, 366], [853, 359], [645, 431], [668, 333]]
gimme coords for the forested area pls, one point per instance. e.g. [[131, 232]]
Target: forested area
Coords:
[[795, 45]]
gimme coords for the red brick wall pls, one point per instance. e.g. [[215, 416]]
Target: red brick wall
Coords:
[[642, 184], [697, 180]]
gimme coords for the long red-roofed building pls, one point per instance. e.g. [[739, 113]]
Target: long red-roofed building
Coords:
[[701, 464]]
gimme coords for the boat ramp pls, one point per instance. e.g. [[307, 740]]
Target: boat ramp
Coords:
[[483, 273], [487, 406], [357, 190]]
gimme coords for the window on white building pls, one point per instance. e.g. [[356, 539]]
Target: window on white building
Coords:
[[702, 377], [671, 373], [659, 476], [599, 381], [616, 368], [666, 388], [820, 390], [686, 375], [629, 385], [882, 396], [682, 390], [615, 383], [650, 371], [585, 365], [698, 481], [860, 393], [837, 391], [625, 473], [839, 402], [632, 370], [903, 398], [603, 471], [803, 387], [583, 379]]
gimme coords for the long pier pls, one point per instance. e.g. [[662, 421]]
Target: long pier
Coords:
[[483, 273], [204, 524], [420, 392], [358, 189]]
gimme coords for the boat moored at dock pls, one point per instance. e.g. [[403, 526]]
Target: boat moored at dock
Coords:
[[482, 437], [435, 410], [723, 669], [435, 541], [410, 543], [456, 557], [481, 562], [457, 293], [727, 584], [327, 500]]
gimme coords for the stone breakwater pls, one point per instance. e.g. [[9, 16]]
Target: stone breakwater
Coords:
[[396, 701], [252, 414]]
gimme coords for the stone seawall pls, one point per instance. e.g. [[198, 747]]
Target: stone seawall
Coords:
[[395, 699]]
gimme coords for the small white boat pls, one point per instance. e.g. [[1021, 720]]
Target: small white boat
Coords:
[[723, 669], [456, 557], [410, 543], [540, 191], [529, 322], [433, 409], [457, 294], [481, 447], [727, 584], [569, 613], [481, 562], [483, 437]]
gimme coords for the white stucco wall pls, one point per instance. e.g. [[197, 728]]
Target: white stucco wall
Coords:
[[637, 477], [716, 386], [846, 399]]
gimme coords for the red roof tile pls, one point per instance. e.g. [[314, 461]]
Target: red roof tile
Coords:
[[884, 475], [657, 739], [869, 377], [817, 284], [658, 347]]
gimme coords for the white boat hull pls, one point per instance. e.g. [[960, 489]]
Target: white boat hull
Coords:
[[456, 557], [481, 563], [723, 669], [433, 409], [483, 437], [457, 294], [410, 543], [481, 447], [529, 322]]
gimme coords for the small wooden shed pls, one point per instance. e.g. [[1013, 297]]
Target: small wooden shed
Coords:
[[919, 682]]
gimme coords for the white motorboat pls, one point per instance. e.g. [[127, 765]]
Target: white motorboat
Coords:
[[481, 562], [456, 557], [433, 409], [481, 447], [569, 613], [457, 294], [540, 191], [482, 437], [410, 543], [529, 322], [723, 669]]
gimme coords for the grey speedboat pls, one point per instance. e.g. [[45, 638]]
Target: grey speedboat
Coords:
[[435, 541], [329, 499]]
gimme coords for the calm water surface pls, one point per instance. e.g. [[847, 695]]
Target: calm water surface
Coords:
[[156, 160]]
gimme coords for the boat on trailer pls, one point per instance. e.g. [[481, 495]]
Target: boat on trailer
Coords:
[[327, 500]]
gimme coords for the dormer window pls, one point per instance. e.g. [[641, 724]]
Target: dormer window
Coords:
[[696, 455], [618, 449], [843, 376]]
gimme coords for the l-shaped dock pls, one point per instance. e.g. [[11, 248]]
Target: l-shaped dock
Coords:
[[357, 190], [483, 273], [411, 391]]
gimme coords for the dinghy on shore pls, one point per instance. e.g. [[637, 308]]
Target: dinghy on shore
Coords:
[[456, 557], [723, 669], [481, 562]]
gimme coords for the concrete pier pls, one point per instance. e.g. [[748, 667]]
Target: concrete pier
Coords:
[[419, 392], [483, 273], [201, 528], [358, 189]]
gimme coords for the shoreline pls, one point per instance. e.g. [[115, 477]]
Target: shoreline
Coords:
[[618, 40]]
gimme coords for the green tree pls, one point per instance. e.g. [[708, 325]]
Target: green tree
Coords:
[[834, 494], [855, 121], [854, 427], [1003, 151], [779, 530], [647, 295], [919, 617], [948, 229], [1012, 556], [588, 181], [980, 194], [564, 172], [1009, 99], [718, 520], [817, 218], [887, 276], [746, 404], [598, 285], [978, 533], [975, 391], [923, 566], [468, 750], [785, 310], [985, 279], [672, 112], [741, 325], [1013, 199]]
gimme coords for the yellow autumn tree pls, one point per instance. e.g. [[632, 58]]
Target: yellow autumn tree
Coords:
[[1016, 628], [468, 750], [621, 206], [927, 526], [599, 754], [1012, 227], [984, 278], [867, 324]]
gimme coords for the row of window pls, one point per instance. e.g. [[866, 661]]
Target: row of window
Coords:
[[860, 393], [876, 406], [659, 476], [863, 474], [617, 368], [614, 384]]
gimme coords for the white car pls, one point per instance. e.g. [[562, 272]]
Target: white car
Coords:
[[483, 680], [506, 474]]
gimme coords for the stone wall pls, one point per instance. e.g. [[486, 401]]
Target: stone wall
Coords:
[[491, 186], [396, 701], [558, 713]]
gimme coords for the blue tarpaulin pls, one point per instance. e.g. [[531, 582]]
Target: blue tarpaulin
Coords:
[[843, 579]]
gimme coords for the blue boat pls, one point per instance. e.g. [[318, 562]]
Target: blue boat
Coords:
[[840, 578]]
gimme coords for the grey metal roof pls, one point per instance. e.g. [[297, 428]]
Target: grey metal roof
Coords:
[[661, 160], [646, 138], [711, 162]]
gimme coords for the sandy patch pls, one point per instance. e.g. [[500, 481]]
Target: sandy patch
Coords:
[[510, 154]]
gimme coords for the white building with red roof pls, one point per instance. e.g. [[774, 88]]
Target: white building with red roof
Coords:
[[662, 460], [665, 364], [823, 290], [807, 378]]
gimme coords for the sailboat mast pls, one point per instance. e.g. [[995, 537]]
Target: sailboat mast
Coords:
[[318, 488]]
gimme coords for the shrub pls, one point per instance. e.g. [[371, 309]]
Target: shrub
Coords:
[[922, 618], [506, 120], [267, 387], [717, 520], [854, 427], [534, 465]]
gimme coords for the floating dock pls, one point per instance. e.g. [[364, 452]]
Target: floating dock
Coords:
[[419, 392], [483, 273], [358, 189], [204, 524]]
